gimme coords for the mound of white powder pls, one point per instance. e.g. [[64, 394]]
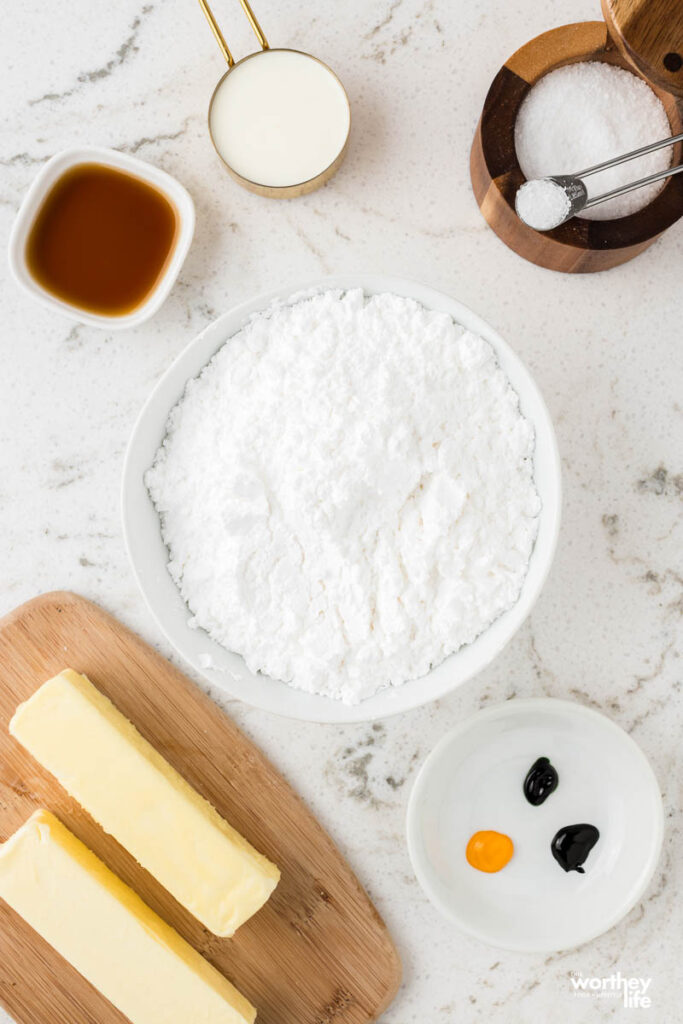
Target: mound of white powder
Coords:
[[346, 492], [542, 204]]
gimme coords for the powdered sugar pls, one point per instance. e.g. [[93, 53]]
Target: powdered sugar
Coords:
[[346, 492]]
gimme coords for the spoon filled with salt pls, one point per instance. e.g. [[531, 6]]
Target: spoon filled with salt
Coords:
[[545, 203]]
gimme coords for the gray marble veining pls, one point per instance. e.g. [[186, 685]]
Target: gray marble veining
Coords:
[[605, 350]]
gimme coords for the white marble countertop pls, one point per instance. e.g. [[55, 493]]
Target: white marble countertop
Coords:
[[605, 350]]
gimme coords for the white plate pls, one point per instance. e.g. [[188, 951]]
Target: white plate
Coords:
[[473, 780], [148, 554]]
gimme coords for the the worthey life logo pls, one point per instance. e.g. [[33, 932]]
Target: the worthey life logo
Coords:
[[633, 991]]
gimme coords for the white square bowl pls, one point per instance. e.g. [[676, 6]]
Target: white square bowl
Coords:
[[56, 166]]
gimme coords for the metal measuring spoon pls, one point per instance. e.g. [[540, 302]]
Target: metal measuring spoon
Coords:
[[571, 195]]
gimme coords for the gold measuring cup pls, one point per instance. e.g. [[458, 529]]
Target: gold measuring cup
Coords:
[[273, 191]]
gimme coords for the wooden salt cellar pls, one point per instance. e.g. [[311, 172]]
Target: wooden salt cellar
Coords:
[[642, 36]]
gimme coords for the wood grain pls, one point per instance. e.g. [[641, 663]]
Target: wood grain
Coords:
[[317, 953], [580, 246], [649, 34]]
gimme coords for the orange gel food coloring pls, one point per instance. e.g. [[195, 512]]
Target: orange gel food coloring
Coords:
[[489, 851]]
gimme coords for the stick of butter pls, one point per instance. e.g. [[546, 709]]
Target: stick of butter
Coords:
[[104, 930], [136, 796]]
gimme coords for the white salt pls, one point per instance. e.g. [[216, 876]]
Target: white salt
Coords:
[[542, 204], [347, 492], [582, 114]]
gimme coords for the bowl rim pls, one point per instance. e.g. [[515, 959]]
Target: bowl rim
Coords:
[[143, 538], [47, 176], [519, 706]]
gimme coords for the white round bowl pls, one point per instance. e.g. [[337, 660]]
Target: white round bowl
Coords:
[[149, 555], [472, 781]]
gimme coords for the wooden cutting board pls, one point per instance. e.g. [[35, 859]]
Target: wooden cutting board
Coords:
[[317, 953]]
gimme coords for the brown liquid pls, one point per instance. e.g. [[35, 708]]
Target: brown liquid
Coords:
[[101, 239]]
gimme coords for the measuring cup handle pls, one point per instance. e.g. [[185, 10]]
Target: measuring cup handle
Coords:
[[224, 48], [256, 28], [220, 38]]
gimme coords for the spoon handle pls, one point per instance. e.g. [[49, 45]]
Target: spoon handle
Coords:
[[662, 144], [667, 173]]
